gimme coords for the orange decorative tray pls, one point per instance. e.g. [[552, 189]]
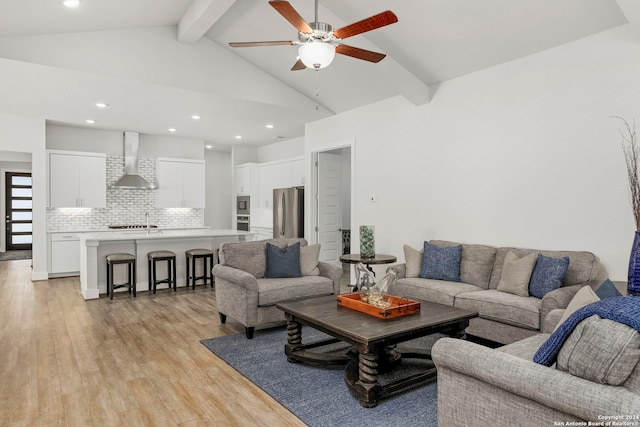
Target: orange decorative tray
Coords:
[[399, 306]]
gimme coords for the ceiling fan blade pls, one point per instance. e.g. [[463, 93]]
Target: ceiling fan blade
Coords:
[[356, 52], [299, 65], [376, 21], [258, 44], [285, 9]]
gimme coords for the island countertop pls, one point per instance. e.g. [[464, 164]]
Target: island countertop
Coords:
[[95, 246], [157, 234]]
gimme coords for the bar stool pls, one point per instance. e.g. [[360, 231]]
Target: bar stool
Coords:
[[207, 256], [121, 258], [153, 258]]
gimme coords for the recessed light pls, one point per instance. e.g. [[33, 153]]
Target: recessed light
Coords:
[[269, 126], [71, 3], [208, 146], [172, 129], [90, 121], [101, 105], [195, 117], [238, 136]]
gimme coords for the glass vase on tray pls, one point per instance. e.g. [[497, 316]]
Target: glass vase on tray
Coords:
[[372, 292]]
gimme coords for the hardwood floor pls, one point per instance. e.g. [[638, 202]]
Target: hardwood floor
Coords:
[[69, 362]]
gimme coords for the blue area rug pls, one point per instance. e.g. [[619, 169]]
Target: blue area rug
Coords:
[[317, 396]]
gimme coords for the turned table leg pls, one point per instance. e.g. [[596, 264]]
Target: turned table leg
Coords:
[[294, 339], [367, 385]]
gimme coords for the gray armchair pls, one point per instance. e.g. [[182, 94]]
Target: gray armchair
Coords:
[[244, 294]]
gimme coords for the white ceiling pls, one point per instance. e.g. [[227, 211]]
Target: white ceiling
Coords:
[[55, 62]]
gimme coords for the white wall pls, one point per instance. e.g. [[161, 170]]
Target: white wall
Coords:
[[217, 213], [112, 143], [525, 154], [281, 150], [27, 135]]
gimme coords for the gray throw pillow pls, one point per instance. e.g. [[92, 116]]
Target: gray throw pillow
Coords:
[[516, 273], [600, 350], [309, 259], [281, 262], [413, 261], [583, 297]]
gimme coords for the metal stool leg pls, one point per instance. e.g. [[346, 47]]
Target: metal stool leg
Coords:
[[111, 281], [133, 274], [187, 268], [173, 265]]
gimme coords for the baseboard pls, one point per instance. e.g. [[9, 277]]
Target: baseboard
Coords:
[[39, 275]]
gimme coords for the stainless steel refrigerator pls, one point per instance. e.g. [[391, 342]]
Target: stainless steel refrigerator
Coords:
[[288, 212]]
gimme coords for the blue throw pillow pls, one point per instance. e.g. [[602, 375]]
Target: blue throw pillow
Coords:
[[607, 290], [547, 275], [283, 262], [441, 263]]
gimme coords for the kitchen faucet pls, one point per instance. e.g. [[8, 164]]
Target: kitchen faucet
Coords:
[[146, 218]]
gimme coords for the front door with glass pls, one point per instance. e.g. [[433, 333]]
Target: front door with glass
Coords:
[[18, 211]]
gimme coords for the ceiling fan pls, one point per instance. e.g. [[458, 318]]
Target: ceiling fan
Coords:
[[319, 42]]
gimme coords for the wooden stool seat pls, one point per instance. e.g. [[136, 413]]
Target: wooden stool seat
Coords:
[[157, 256], [207, 256], [121, 258]]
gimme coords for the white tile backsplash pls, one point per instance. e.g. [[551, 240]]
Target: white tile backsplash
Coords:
[[124, 206]]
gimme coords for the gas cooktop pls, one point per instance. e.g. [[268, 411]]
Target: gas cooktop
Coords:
[[133, 226]]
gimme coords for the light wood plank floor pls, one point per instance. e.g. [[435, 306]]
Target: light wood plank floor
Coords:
[[127, 362]]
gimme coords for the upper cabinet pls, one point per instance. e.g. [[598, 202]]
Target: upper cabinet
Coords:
[[273, 175], [259, 179], [77, 179], [297, 173], [247, 179], [181, 183]]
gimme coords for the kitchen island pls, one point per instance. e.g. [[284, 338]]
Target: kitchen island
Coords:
[[95, 246]]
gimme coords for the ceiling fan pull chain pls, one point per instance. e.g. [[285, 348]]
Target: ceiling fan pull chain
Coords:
[[317, 87]]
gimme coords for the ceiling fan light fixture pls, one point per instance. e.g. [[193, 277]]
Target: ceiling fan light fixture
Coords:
[[317, 54]]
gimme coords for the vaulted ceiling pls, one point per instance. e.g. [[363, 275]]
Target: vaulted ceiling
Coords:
[[158, 62]]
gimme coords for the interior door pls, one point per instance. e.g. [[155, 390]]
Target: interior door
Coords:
[[329, 210], [19, 213]]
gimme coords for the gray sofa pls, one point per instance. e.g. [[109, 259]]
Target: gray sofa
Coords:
[[479, 386], [504, 317], [244, 294]]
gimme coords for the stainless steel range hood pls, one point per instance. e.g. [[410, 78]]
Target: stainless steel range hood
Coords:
[[131, 180]]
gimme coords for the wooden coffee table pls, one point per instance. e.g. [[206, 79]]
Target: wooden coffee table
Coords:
[[372, 339]]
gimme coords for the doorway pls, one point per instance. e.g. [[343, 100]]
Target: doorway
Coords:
[[331, 208], [18, 211]]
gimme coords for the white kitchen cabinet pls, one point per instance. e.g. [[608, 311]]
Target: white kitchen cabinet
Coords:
[[297, 173], [77, 179], [64, 252], [273, 175], [181, 183], [248, 179]]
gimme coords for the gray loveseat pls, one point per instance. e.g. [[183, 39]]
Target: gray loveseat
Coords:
[[597, 375], [244, 294], [504, 317]]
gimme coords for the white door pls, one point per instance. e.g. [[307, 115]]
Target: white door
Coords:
[[329, 212]]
